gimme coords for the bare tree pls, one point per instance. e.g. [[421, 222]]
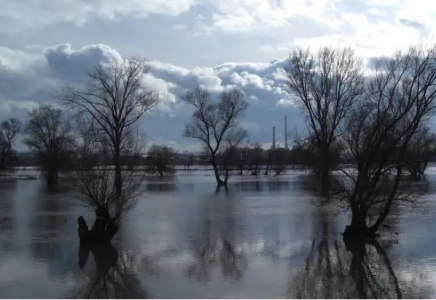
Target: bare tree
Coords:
[[325, 85], [215, 124], [9, 129], [161, 159], [280, 160], [94, 183], [232, 140], [48, 132], [116, 97], [242, 157], [399, 100], [256, 158], [421, 150], [188, 159]]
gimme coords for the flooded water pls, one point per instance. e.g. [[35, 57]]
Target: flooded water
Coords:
[[264, 238]]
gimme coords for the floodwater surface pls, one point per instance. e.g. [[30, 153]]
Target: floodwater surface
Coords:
[[263, 238]]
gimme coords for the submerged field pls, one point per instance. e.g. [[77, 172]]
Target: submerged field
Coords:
[[265, 238]]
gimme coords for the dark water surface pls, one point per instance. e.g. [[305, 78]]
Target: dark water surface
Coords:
[[265, 238]]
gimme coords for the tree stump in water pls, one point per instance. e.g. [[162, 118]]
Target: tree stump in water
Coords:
[[103, 230]]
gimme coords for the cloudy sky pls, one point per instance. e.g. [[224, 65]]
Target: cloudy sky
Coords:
[[45, 44]]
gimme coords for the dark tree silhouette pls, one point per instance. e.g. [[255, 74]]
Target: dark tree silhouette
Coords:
[[116, 97], [421, 150], [256, 158], [188, 159], [399, 100], [9, 129], [230, 145], [95, 188], [161, 160], [48, 132], [242, 155], [216, 124], [325, 85]]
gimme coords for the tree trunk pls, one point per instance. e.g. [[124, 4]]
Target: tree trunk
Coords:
[[358, 228], [103, 230], [51, 176], [118, 179], [215, 169]]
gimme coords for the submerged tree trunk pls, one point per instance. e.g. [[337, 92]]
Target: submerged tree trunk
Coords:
[[103, 230], [217, 175], [51, 176], [118, 177], [358, 228]]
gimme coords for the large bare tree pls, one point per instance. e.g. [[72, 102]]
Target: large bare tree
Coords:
[[116, 97], [49, 132], [399, 100], [94, 182], [216, 124], [9, 130], [325, 85]]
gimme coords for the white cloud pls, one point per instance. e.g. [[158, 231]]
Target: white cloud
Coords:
[[28, 79], [20, 15], [243, 15]]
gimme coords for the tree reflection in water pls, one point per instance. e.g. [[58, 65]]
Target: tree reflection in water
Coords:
[[349, 269], [216, 251], [114, 277]]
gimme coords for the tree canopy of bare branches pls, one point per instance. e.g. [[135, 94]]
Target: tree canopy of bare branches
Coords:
[[216, 124], [421, 150], [161, 160], [94, 182], [115, 98], [49, 132], [325, 85], [9, 129], [399, 100]]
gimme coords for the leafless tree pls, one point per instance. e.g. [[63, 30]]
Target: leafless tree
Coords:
[[188, 159], [49, 132], [161, 159], [399, 100], [232, 140], [94, 182], [242, 156], [421, 150], [280, 160], [325, 85], [9, 129], [256, 158], [116, 97], [215, 124]]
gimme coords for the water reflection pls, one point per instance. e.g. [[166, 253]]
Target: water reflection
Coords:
[[216, 251], [334, 268], [114, 275], [225, 245]]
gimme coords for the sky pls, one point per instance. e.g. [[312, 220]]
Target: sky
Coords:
[[214, 44]]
